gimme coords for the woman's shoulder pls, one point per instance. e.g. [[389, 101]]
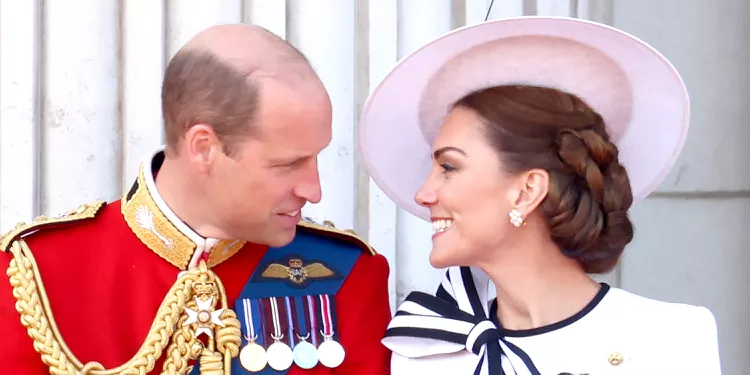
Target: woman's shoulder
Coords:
[[644, 311], [651, 336], [661, 330]]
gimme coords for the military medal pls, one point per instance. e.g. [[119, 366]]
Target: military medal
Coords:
[[280, 355], [330, 353], [305, 354], [253, 357], [205, 318]]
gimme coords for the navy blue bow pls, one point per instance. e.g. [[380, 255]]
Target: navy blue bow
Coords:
[[456, 317]]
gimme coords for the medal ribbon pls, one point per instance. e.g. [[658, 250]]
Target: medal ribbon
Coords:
[[326, 315], [290, 321], [302, 319], [313, 316], [263, 308], [455, 319], [277, 329], [250, 317]]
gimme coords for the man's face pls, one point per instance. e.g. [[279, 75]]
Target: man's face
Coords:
[[259, 191]]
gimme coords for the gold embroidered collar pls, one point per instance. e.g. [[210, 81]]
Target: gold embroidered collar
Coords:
[[159, 228]]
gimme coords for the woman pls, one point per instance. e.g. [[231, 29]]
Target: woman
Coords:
[[525, 142]]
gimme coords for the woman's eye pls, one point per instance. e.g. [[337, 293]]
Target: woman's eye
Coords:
[[447, 167]]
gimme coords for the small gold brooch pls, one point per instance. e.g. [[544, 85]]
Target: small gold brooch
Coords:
[[615, 358]]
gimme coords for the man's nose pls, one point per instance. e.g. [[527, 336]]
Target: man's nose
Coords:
[[309, 189]]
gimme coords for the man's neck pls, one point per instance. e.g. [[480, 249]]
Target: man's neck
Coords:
[[176, 191]]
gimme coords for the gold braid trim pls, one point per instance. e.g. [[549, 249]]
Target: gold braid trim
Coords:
[[83, 212], [328, 228], [36, 316]]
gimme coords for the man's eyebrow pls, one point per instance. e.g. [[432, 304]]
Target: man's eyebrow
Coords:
[[292, 159]]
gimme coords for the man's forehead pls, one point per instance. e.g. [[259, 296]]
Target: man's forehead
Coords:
[[284, 103], [296, 124], [279, 147]]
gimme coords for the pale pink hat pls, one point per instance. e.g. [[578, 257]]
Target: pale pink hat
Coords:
[[638, 92]]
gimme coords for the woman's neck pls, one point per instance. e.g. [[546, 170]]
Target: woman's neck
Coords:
[[537, 286]]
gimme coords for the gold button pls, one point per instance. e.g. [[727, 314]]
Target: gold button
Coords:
[[615, 358]]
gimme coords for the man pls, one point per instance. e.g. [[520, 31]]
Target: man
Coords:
[[204, 264]]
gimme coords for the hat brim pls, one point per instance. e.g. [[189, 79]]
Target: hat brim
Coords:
[[641, 96]]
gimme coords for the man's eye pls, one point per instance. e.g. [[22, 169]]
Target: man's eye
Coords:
[[291, 164]]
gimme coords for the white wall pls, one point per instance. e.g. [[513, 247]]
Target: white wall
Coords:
[[692, 239], [79, 109]]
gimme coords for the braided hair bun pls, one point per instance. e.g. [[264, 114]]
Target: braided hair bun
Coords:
[[589, 195]]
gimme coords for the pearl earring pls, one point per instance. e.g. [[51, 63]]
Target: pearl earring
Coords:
[[516, 218]]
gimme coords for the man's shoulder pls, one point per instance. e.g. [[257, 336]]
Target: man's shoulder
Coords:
[[317, 261], [347, 238], [67, 222]]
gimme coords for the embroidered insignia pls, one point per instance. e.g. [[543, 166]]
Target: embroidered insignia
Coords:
[[156, 230], [226, 249], [297, 272], [145, 219]]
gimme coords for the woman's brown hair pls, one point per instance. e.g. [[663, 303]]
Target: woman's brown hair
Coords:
[[589, 192]]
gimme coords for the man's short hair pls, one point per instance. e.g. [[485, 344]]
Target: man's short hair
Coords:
[[199, 88]]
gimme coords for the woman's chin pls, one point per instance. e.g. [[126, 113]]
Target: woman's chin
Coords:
[[441, 259]]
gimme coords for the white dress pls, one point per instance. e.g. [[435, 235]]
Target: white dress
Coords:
[[617, 333]]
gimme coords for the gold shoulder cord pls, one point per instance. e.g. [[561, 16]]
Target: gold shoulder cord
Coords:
[[189, 307]]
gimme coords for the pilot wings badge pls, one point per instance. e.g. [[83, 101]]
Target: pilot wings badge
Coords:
[[297, 272]]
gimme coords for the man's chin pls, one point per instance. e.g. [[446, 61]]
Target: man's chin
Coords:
[[280, 238]]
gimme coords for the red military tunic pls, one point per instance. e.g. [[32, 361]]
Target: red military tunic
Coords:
[[107, 271]]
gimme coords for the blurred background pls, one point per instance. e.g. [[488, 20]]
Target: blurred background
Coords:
[[80, 109]]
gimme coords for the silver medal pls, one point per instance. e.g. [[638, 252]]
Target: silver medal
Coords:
[[330, 352], [305, 354], [280, 356]]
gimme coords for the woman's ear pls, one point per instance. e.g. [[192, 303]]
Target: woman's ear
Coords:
[[531, 189]]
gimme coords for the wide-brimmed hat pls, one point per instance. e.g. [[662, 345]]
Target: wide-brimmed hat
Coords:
[[640, 95]]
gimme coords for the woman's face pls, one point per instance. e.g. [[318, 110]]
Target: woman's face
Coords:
[[468, 193]]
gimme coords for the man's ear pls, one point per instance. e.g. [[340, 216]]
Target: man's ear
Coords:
[[202, 146]]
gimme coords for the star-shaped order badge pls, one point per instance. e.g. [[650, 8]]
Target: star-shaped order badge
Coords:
[[204, 317]]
